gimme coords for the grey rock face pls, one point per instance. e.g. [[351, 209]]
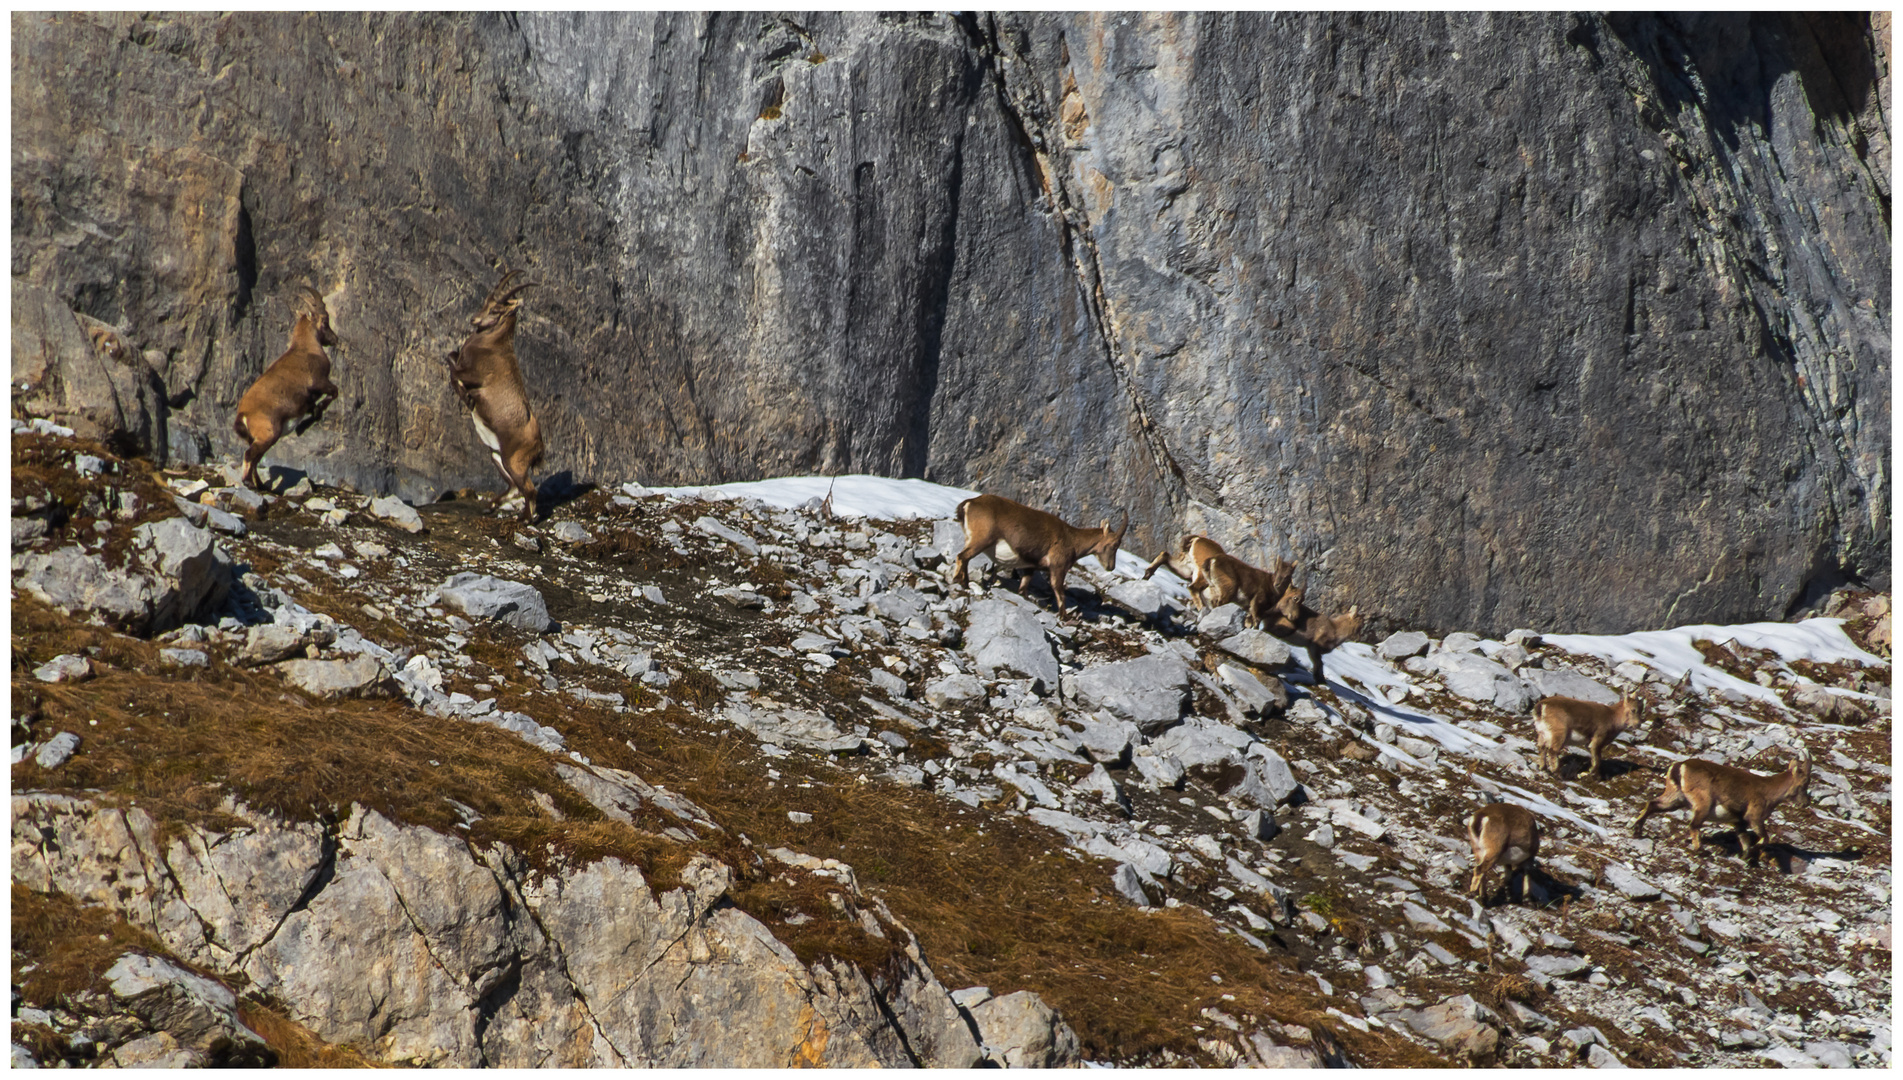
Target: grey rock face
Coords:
[[1149, 691], [399, 938], [58, 372], [1006, 641], [879, 345], [483, 597]]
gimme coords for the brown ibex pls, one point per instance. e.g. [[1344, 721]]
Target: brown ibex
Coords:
[[1731, 796], [1233, 580], [1188, 565], [1318, 633], [1558, 721], [1026, 540], [297, 384], [1503, 834], [489, 382]]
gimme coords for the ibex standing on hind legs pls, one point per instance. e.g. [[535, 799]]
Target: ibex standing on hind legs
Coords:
[[490, 385], [291, 387]]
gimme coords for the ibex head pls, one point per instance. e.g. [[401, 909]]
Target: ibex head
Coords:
[[1800, 775], [310, 305], [501, 301], [1106, 548]]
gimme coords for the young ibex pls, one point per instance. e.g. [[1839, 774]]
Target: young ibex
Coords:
[[1258, 591], [1188, 565], [490, 385], [1026, 540], [1505, 834], [1728, 796], [1558, 721], [1316, 632], [296, 385]]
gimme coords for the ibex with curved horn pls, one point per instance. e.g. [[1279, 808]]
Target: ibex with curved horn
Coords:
[[490, 385], [296, 384], [1026, 540]]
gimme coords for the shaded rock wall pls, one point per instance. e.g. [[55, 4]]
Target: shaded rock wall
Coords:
[[1487, 320]]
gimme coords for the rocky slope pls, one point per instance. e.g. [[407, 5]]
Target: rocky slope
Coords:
[[669, 781], [1496, 320]]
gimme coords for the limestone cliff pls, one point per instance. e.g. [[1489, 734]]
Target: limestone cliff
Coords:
[[1488, 320]]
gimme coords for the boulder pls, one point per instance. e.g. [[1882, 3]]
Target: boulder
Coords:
[[1400, 646], [357, 676], [797, 727], [1477, 678], [1129, 885], [1149, 691], [1260, 697], [898, 606], [1220, 622], [1257, 647], [66, 667], [1560, 682], [954, 690], [192, 578], [399, 514], [708, 526], [57, 751], [890, 683], [1106, 740], [1006, 641], [199, 1015], [483, 597], [1020, 1031], [1462, 1025], [1142, 597], [270, 643]]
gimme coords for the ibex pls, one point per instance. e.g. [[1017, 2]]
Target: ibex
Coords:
[[297, 384], [490, 385], [1188, 565], [1026, 540], [1505, 834], [1728, 796], [1318, 633], [1558, 721], [1236, 581]]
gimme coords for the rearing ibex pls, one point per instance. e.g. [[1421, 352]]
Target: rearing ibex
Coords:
[[291, 387], [490, 385]]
